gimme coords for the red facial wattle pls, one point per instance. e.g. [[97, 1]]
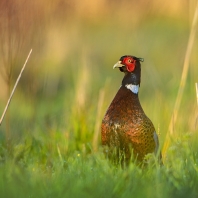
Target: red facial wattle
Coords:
[[129, 63]]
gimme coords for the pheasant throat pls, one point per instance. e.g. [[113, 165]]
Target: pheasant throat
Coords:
[[133, 88]]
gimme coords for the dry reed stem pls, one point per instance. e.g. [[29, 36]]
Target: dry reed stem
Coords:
[[98, 121], [13, 90], [182, 82], [196, 115], [196, 87], [59, 154]]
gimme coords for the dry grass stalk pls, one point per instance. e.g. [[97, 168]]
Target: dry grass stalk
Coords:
[[98, 120], [182, 81], [13, 90], [82, 84], [196, 114], [59, 154], [196, 86]]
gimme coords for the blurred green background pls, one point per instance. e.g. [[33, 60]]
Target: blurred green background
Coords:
[[69, 82], [74, 47]]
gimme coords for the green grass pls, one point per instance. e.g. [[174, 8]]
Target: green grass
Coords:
[[54, 112], [43, 169]]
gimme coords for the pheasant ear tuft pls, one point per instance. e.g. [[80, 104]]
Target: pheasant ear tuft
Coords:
[[141, 59]]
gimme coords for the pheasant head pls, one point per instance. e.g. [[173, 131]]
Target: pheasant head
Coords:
[[131, 66]]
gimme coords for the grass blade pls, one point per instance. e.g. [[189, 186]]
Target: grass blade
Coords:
[[182, 82], [10, 98]]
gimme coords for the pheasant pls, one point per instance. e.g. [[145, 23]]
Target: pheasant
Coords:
[[125, 127]]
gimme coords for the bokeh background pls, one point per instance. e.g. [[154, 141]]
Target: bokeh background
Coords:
[[68, 82], [50, 138]]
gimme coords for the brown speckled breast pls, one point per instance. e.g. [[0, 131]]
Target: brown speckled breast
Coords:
[[125, 126]]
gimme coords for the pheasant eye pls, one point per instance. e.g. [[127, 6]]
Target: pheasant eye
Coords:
[[129, 61]]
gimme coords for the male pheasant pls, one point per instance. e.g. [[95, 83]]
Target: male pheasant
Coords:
[[125, 128]]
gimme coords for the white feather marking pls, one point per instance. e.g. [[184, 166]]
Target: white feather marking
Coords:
[[133, 88], [116, 125]]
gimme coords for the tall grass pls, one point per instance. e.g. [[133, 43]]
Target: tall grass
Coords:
[[183, 80], [9, 100]]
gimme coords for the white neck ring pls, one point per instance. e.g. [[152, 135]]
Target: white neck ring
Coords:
[[133, 88]]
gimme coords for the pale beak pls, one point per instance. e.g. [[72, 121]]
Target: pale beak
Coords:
[[118, 64]]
